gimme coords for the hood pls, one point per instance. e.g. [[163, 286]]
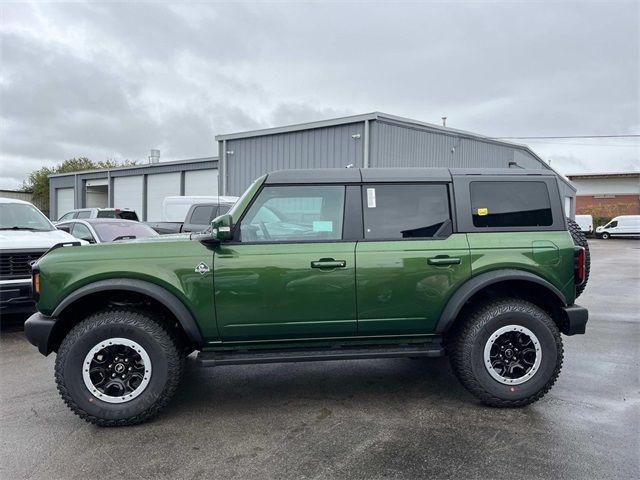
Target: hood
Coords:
[[19, 239]]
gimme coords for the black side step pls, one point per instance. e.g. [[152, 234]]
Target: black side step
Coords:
[[243, 357]]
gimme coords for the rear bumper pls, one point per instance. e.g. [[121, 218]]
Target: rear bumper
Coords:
[[37, 329], [15, 296], [575, 320]]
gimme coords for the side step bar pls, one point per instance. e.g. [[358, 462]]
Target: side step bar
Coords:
[[244, 357]]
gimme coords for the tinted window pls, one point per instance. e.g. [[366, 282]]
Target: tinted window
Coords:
[[202, 215], [110, 231], [127, 215], [81, 231], [84, 214], [287, 214], [404, 211], [510, 204], [106, 214]]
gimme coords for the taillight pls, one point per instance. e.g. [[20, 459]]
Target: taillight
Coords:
[[579, 265]]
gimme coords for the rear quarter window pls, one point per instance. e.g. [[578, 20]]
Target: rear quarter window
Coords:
[[510, 204]]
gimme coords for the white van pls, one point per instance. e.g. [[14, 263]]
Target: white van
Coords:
[[622, 226], [586, 224]]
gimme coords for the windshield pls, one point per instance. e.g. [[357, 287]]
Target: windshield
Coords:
[[108, 232], [23, 216]]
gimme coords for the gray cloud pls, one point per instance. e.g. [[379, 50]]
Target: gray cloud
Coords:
[[111, 80]]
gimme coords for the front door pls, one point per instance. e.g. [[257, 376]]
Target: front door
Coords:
[[288, 273], [410, 261]]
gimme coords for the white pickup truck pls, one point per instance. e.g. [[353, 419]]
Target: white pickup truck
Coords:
[[25, 234]]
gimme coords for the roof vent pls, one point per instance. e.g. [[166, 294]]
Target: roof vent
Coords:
[[154, 156]]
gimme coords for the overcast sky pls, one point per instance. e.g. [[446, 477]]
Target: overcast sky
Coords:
[[110, 80]]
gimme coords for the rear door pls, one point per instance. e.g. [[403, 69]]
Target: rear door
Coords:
[[290, 272], [410, 261]]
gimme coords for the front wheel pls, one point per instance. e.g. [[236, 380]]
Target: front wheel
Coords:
[[118, 367], [508, 353], [605, 235]]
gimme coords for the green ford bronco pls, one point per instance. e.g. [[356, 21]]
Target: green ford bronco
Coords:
[[332, 264]]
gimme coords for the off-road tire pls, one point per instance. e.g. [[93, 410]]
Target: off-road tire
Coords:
[[143, 327], [466, 350], [580, 240]]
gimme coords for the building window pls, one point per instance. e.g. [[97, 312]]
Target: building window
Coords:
[[404, 211], [510, 204]]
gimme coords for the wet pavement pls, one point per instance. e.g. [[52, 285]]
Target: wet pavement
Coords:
[[398, 418]]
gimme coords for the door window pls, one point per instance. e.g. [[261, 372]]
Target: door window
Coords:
[[202, 215], [84, 214], [294, 214], [510, 204], [66, 216], [82, 231], [404, 211]]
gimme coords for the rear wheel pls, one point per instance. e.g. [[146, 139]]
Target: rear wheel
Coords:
[[508, 354], [118, 367], [580, 240]]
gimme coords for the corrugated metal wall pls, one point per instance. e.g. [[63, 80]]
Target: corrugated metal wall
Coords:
[[403, 146], [318, 148]]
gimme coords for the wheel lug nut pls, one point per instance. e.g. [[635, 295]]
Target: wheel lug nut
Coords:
[[129, 368], [122, 376], [113, 374]]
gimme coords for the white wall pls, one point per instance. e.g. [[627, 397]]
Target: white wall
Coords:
[[601, 186], [159, 186], [201, 182]]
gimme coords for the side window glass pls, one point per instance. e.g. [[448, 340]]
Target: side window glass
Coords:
[[66, 216], [613, 224], [202, 215], [84, 214], [404, 211], [510, 204], [81, 231], [295, 213]]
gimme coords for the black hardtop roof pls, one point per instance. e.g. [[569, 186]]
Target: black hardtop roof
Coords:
[[379, 175]]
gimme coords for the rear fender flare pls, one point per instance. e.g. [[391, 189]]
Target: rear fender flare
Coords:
[[475, 284]]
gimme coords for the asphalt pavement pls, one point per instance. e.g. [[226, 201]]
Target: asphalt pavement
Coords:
[[398, 418]]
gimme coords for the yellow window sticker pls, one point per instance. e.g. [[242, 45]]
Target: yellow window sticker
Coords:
[[483, 211]]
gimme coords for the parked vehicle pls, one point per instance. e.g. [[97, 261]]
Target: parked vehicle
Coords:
[[190, 214], [101, 230], [84, 213], [586, 224], [25, 234], [331, 264], [622, 226]]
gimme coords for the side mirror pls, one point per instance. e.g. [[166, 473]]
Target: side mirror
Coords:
[[221, 228]]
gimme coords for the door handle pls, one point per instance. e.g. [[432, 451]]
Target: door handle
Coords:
[[445, 260], [328, 263]]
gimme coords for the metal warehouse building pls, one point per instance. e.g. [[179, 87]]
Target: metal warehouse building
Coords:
[[369, 141], [140, 187]]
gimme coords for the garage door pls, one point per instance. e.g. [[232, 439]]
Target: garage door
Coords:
[[64, 201], [201, 182], [127, 193], [160, 186]]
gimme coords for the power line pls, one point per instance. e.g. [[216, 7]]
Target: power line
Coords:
[[569, 137]]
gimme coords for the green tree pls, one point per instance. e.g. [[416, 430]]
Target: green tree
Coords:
[[38, 181]]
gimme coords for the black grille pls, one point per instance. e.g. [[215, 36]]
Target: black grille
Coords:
[[17, 264]]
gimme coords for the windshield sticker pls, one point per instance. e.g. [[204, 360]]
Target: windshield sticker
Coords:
[[371, 197], [483, 211], [322, 226]]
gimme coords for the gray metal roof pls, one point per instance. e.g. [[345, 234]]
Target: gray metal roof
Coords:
[[379, 175], [143, 165], [385, 117]]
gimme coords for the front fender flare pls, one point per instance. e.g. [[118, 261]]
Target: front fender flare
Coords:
[[158, 293], [475, 284]]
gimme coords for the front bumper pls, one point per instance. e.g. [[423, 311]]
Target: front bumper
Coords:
[[575, 320], [38, 329], [15, 296]]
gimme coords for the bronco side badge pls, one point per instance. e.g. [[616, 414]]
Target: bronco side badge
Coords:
[[202, 268]]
